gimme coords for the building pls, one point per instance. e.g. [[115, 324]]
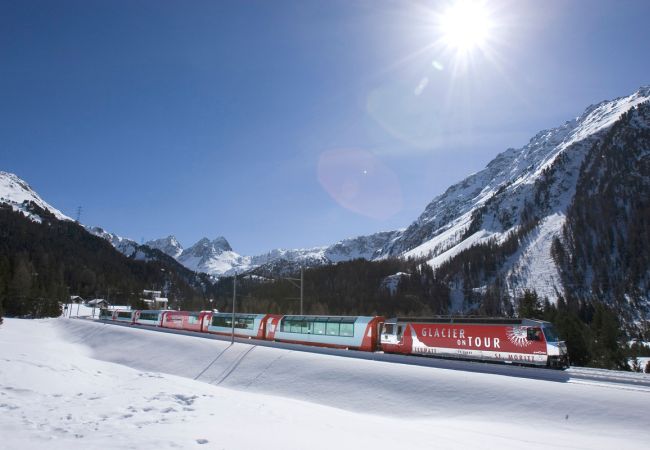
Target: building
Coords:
[[154, 300], [98, 303]]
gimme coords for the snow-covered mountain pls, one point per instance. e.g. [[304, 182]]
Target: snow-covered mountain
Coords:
[[19, 195], [125, 246], [168, 245], [527, 187], [217, 257]]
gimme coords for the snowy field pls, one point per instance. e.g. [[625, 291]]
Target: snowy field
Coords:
[[76, 384]]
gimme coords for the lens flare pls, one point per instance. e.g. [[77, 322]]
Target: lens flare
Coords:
[[360, 182]]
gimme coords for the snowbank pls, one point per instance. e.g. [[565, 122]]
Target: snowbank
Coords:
[[171, 391]]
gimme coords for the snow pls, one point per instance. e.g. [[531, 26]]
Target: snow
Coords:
[[68, 384], [125, 246], [642, 362], [14, 191], [391, 282], [534, 266]]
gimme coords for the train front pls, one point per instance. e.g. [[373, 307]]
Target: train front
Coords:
[[558, 357]]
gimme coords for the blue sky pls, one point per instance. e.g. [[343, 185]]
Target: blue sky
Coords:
[[288, 124]]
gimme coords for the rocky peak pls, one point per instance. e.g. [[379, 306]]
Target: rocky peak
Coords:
[[168, 245]]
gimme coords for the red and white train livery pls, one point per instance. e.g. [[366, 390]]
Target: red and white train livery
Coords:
[[521, 341], [525, 341]]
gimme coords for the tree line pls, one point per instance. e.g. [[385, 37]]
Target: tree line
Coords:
[[43, 263]]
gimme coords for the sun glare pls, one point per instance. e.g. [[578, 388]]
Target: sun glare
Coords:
[[465, 25]]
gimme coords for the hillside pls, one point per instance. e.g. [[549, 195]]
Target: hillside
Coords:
[[43, 260]]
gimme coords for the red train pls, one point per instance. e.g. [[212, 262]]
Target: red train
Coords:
[[521, 341]]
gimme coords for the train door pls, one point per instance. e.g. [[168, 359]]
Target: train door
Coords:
[[271, 324], [376, 339], [205, 322], [390, 337]]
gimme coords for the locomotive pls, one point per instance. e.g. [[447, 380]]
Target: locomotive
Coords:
[[507, 340]]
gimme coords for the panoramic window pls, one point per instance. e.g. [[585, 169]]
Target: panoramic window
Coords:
[[331, 326]]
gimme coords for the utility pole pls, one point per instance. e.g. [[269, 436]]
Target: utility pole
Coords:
[[234, 295], [79, 210], [301, 279]]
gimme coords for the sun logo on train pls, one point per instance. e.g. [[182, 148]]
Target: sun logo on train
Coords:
[[518, 336]]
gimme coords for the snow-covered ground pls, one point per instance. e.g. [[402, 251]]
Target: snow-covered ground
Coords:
[[68, 383]]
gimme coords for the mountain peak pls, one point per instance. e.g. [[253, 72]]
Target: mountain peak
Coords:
[[222, 244], [168, 245], [15, 192]]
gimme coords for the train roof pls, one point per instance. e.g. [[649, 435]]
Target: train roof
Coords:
[[470, 320]]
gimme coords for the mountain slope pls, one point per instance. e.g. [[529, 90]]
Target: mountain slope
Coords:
[[529, 188], [169, 246], [20, 196], [603, 251]]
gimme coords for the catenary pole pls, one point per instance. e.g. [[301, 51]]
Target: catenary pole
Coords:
[[234, 295]]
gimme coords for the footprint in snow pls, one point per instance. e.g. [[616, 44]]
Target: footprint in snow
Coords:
[[202, 441], [8, 406], [185, 399]]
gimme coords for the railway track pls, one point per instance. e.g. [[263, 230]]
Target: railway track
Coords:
[[616, 377]]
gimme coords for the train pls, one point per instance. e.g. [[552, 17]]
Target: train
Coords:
[[507, 340]]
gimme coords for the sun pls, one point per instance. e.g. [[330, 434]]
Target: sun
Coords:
[[465, 25]]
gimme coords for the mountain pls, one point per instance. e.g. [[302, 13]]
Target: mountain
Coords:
[[169, 245], [217, 257], [125, 246], [214, 257], [502, 221], [21, 197]]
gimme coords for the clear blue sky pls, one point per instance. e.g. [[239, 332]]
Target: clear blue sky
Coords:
[[287, 123]]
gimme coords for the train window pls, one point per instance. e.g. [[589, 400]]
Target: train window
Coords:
[[221, 321], [296, 326], [319, 327], [534, 334], [244, 322], [389, 328], [192, 318], [550, 334], [148, 316], [332, 328], [347, 329]]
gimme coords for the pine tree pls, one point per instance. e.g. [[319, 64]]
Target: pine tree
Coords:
[[606, 349], [530, 306]]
